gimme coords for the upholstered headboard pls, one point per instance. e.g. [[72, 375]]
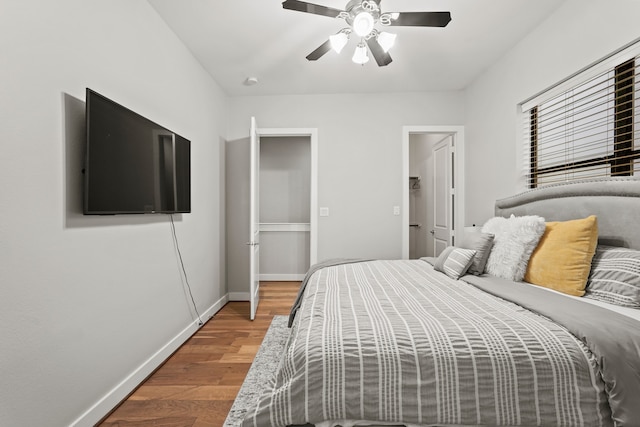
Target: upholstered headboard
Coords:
[[616, 203]]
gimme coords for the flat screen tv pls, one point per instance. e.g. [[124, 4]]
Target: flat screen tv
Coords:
[[133, 165]]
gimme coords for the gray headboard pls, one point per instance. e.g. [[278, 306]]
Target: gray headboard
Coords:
[[616, 203]]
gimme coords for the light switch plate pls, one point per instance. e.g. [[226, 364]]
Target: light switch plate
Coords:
[[396, 210], [324, 211]]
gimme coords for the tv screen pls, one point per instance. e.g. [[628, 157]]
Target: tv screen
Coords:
[[133, 165]]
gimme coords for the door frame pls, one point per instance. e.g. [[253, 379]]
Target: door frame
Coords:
[[459, 176], [312, 133]]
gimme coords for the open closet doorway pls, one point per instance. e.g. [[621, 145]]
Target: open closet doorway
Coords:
[[433, 189], [258, 228], [288, 203]]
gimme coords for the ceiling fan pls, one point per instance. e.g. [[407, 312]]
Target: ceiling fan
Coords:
[[362, 16]]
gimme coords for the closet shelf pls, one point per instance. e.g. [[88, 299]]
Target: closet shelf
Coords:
[[285, 226]]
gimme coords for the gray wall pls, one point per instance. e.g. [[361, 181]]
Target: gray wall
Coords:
[[285, 179], [579, 33], [237, 213], [87, 301], [360, 159]]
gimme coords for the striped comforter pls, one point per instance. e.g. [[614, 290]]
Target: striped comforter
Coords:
[[395, 341]]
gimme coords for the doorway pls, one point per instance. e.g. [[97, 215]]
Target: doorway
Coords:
[[433, 189], [285, 207], [239, 233], [288, 203]]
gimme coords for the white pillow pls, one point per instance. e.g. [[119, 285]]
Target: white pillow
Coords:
[[515, 239]]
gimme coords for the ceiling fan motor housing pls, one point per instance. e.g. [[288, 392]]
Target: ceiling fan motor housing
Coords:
[[356, 7]]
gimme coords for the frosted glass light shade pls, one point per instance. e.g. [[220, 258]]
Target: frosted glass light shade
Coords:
[[386, 40], [363, 23], [360, 56], [338, 41]]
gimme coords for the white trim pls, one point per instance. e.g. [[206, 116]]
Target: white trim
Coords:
[[312, 133], [239, 296], [281, 277], [120, 392], [610, 61], [458, 132]]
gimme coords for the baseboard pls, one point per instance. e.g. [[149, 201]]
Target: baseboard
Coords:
[[239, 296], [120, 392], [281, 277]]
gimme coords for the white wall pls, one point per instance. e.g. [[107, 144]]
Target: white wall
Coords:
[[579, 33], [86, 301], [359, 158]]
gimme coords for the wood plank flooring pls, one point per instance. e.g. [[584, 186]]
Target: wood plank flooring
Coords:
[[197, 385]]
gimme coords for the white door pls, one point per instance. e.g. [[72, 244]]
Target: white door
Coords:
[[254, 219], [442, 195]]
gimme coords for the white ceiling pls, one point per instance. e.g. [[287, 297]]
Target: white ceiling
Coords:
[[236, 39]]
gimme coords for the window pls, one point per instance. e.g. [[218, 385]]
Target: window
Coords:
[[587, 127]]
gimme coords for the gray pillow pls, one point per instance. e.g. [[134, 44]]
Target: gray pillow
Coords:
[[458, 262], [481, 243], [615, 276], [438, 265]]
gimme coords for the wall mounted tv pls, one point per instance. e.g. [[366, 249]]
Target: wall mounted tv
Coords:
[[133, 165]]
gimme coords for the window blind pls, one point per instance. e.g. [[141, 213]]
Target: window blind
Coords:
[[590, 129]]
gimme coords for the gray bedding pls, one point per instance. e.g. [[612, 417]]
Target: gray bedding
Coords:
[[612, 337], [396, 341], [305, 281]]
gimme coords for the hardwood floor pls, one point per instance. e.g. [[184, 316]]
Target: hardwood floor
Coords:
[[197, 385]]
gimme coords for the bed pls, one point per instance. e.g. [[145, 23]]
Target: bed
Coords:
[[409, 343]]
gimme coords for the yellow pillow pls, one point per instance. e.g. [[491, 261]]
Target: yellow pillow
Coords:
[[562, 259]]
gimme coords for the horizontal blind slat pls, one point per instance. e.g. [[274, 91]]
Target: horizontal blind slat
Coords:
[[587, 131]]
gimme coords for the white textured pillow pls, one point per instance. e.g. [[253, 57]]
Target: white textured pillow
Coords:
[[514, 241]]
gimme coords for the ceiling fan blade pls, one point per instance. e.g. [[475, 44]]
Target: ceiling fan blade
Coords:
[[302, 6], [422, 19], [321, 50], [382, 58]]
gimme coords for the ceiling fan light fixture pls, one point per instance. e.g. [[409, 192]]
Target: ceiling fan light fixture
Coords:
[[362, 17], [360, 56], [386, 40], [363, 23], [339, 41]]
